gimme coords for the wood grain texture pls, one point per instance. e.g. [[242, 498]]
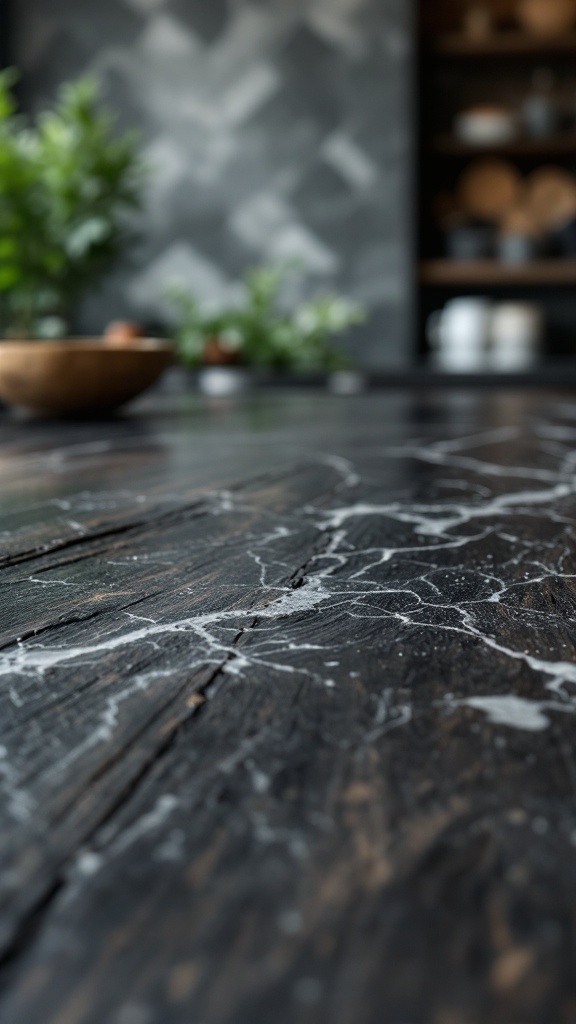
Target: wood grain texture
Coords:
[[287, 718], [493, 273], [504, 44]]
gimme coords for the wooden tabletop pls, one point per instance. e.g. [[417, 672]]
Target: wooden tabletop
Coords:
[[287, 697]]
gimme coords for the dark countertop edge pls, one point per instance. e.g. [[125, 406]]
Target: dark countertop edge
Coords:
[[559, 375], [557, 378]]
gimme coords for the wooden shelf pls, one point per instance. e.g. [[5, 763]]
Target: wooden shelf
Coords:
[[491, 273], [502, 44], [554, 145]]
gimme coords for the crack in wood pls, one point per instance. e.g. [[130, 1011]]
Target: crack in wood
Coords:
[[278, 800], [30, 924], [71, 620], [30, 928], [32, 554]]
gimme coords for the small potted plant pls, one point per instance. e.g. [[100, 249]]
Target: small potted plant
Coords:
[[259, 334], [67, 186]]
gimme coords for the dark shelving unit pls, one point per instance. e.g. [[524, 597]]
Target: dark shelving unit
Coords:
[[456, 70], [560, 145], [509, 43], [5, 33], [491, 273]]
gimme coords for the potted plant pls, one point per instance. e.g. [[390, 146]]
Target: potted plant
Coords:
[[259, 333], [67, 185]]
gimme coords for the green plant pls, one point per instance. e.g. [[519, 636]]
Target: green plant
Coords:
[[259, 332], [66, 186]]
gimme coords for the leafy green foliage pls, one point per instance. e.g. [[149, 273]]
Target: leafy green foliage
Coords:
[[66, 186], [259, 333]]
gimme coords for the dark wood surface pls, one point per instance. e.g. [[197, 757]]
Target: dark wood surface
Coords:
[[562, 145], [287, 693], [504, 44], [495, 274]]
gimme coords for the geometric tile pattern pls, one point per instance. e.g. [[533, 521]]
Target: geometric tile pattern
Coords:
[[273, 128]]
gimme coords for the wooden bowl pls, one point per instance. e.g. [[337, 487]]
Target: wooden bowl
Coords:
[[63, 378]]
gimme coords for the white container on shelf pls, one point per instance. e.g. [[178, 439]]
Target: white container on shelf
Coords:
[[486, 126], [460, 335], [516, 336], [221, 381]]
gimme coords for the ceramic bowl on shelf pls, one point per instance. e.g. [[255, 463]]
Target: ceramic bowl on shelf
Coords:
[[551, 197], [78, 376], [486, 126], [489, 188], [547, 18]]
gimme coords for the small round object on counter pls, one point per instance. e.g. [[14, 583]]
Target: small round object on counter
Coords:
[[122, 334], [346, 382], [223, 381], [489, 189], [217, 352]]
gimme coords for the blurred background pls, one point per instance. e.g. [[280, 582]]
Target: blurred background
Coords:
[[420, 158], [497, 163]]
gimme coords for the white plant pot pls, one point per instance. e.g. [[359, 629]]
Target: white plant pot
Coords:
[[346, 382], [221, 381]]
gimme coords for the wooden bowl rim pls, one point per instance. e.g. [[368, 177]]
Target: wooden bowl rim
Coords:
[[137, 345]]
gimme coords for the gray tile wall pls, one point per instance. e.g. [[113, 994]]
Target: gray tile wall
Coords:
[[274, 129]]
